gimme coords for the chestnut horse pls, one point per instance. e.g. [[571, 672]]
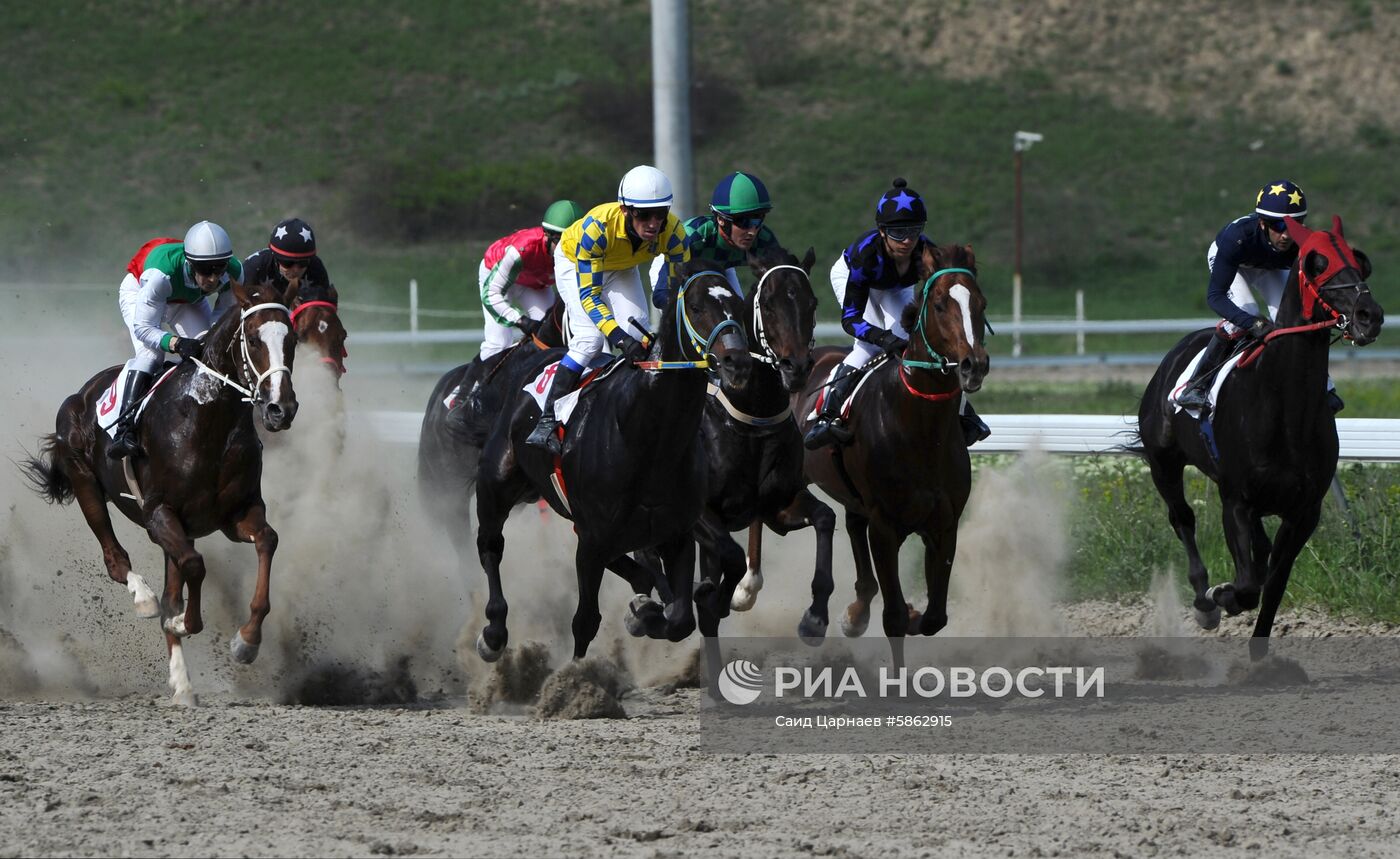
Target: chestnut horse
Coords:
[[906, 470], [1271, 442], [202, 471]]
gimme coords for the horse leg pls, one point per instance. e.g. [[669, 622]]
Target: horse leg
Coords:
[[253, 528], [884, 550], [746, 592], [1167, 474], [179, 672], [94, 506], [939, 550], [806, 509], [491, 548], [1288, 542], [678, 556], [721, 568], [858, 612], [1240, 524], [184, 567], [644, 614], [589, 568]]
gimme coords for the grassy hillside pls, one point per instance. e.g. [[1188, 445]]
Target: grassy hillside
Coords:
[[412, 135]]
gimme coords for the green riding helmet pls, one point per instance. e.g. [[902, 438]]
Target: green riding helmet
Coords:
[[560, 215], [738, 193]]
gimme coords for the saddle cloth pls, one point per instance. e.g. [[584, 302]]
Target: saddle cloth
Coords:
[[110, 405], [601, 365], [826, 388], [1190, 372]]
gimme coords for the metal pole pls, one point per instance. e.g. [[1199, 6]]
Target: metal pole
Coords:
[[1016, 271], [413, 305], [670, 98]]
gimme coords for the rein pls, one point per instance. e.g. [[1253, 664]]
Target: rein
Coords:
[[246, 369], [767, 356], [1254, 351]]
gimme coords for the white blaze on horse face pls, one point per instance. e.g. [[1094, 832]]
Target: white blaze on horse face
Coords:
[[273, 335], [720, 293], [963, 297]]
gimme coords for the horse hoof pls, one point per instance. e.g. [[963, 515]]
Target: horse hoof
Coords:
[[484, 650], [1208, 619], [932, 624], [746, 592], [243, 652], [916, 618], [811, 629], [645, 617], [186, 698], [855, 626]]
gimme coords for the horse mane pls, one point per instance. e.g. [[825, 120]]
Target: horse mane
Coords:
[[218, 353], [315, 292]]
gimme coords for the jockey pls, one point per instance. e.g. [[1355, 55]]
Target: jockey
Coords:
[[1253, 252], [167, 283], [874, 280], [289, 258], [596, 271], [734, 227], [520, 268]]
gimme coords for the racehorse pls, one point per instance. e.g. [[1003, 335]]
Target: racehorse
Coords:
[[632, 472], [906, 470], [755, 450], [1271, 443], [201, 472], [447, 457]]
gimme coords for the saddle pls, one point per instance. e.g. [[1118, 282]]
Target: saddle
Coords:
[[599, 368], [1190, 373], [822, 392]]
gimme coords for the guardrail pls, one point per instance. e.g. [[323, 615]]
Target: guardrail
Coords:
[[1361, 439]]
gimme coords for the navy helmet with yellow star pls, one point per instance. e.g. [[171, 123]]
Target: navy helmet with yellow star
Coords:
[[1281, 199], [900, 206]]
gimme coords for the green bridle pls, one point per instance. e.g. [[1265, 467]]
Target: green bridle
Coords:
[[941, 362]]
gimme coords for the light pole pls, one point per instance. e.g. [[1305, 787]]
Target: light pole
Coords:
[[670, 71], [1022, 141]]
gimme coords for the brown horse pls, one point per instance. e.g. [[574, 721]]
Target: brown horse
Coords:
[[316, 322], [906, 470], [201, 473]]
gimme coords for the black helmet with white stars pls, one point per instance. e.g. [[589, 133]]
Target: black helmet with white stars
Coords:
[[292, 241]]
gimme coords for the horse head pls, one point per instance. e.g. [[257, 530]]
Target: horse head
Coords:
[[784, 313], [705, 315], [947, 321], [261, 357], [1332, 282], [316, 320]]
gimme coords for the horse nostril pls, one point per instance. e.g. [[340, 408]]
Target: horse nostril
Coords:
[[274, 411]]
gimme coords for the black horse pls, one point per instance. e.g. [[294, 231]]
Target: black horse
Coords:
[[906, 470], [202, 471], [448, 455], [755, 450], [1274, 435], [632, 472]]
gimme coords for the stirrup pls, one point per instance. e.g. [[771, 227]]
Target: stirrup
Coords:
[[1192, 397], [974, 429], [124, 445], [543, 434]]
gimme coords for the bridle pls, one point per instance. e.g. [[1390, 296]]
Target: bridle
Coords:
[[941, 362], [767, 355], [702, 346], [247, 373]]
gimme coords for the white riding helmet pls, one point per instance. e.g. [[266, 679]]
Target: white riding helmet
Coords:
[[207, 242], [644, 187]]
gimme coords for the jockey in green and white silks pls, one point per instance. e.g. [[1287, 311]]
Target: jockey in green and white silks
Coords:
[[727, 235], [167, 284]]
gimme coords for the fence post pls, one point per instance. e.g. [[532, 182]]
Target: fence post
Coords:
[[1079, 321], [413, 305]]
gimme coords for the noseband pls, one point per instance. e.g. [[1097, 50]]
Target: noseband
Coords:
[[768, 356], [685, 330]]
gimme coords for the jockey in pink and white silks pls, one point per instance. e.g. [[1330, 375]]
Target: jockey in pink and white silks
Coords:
[[517, 278], [874, 280], [167, 284], [596, 272]]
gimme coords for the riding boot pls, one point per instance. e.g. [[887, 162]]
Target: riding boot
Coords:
[[1334, 402], [124, 443], [465, 406], [1197, 391], [544, 437], [974, 429], [828, 426]]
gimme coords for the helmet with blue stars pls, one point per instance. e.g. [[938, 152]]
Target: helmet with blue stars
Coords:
[[1281, 199], [900, 206]]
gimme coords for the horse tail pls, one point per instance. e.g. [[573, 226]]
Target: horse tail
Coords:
[[45, 472]]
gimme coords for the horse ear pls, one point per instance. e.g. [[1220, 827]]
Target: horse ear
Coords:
[[1364, 262], [1337, 226], [331, 295], [809, 259], [971, 257], [756, 264], [1297, 232], [928, 261], [290, 296], [240, 292]]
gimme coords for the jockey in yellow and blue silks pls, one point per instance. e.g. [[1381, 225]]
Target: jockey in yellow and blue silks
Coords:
[[596, 273]]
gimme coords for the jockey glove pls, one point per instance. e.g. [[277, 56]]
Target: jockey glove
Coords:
[[529, 326], [187, 347], [632, 349], [893, 344], [1261, 328]]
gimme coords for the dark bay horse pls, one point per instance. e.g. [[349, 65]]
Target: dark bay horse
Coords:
[[755, 450], [447, 456], [1275, 435], [201, 473], [633, 466], [906, 470]]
